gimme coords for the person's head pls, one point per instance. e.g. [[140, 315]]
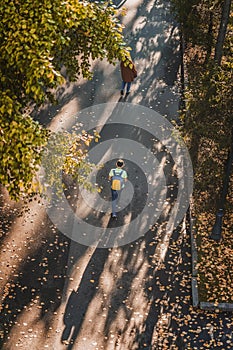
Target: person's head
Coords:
[[120, 163]]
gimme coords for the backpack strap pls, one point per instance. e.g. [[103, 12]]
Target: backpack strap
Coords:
[[114, 173]]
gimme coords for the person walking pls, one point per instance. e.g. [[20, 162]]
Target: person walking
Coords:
[[118, 177], [128, 74]]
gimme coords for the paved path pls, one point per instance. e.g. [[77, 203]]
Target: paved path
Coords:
[[64, 295]]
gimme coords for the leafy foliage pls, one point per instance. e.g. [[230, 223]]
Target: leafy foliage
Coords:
[[42, 44], [38, 38], [66, 153], [21, 143]]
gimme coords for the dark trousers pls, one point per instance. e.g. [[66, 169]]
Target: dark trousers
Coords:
[[127, 87], [115, 195]]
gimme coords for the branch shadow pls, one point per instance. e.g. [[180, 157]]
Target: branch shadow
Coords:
[[39, 281], [80, 299], [153, 36]]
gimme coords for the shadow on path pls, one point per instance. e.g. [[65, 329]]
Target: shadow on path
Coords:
[[153, 36], [79, 300]]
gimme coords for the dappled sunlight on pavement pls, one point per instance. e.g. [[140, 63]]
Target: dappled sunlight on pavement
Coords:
[[130, 297]]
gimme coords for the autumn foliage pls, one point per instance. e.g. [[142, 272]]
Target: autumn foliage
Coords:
[[43, 44], [207, 129]]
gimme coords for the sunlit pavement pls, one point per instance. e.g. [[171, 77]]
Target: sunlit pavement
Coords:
[[60, 294]]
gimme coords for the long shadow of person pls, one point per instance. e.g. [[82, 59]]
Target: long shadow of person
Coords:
[[79, 300]]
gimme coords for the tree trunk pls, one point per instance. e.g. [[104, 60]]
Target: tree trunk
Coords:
[[222, 31], [210, 38]]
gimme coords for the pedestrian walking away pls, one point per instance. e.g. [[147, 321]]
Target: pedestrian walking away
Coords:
[[118, 177], [128, 74]]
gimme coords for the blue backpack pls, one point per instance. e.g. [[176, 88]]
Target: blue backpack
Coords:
[[117, 181]]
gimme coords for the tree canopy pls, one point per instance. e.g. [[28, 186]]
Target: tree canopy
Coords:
[[39, 40]]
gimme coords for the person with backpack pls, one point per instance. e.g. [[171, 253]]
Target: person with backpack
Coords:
[[117, 176]]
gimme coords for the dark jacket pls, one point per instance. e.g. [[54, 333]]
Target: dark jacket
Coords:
[[127, 73]]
